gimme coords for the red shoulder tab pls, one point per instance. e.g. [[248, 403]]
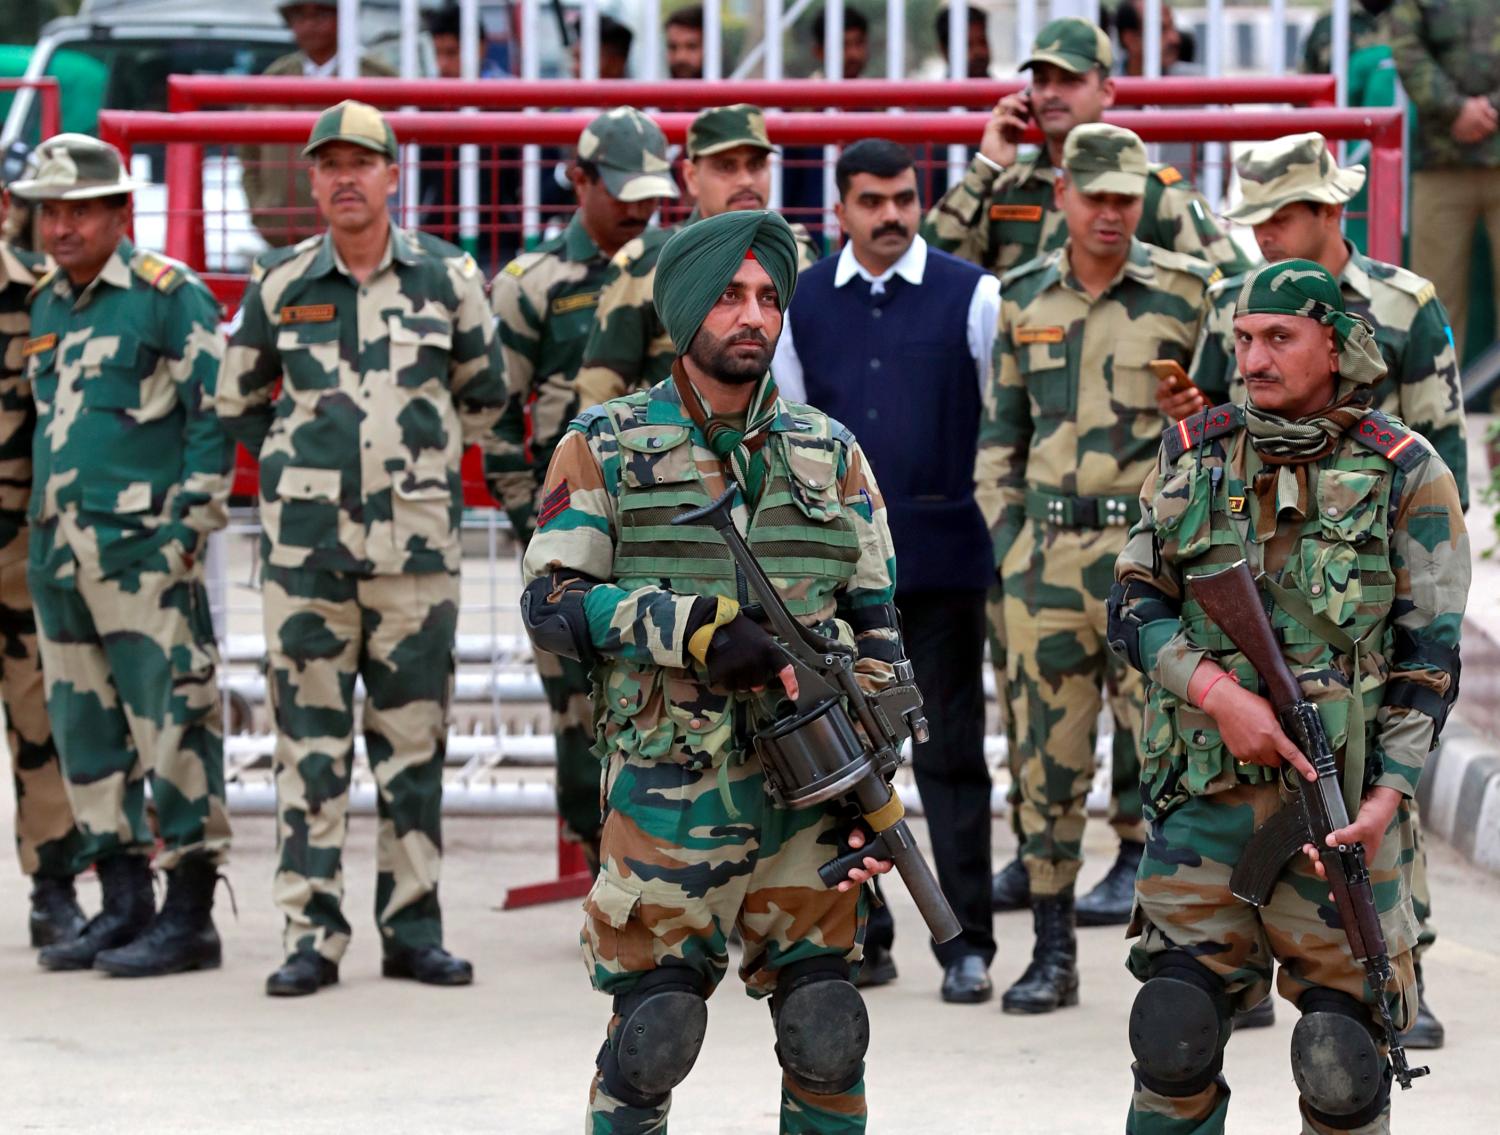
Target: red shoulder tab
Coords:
[[1201, 427], [1391, 440]]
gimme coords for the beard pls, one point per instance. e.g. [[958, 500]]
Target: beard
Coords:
[[713, 356]]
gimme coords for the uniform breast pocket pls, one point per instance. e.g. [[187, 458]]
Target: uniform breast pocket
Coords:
[[815, 480], [1133, 384], [1050, 385], [310, 356], [1332, 576], [419, 349], [117, 385], [41, 373]]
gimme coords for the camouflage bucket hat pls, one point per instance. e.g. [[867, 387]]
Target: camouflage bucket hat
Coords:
[[75, 167], [1101, 158], [723, 128], [356, 123], [1305, 288], [1298, 167], [630, 152], [1072, 43]]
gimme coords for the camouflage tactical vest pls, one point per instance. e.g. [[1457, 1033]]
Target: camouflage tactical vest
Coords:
[[799, 530], [1337, 570]]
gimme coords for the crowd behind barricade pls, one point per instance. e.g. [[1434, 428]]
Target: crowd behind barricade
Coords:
[[1049, 412]]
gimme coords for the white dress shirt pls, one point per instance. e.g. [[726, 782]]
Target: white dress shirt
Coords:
[[984, 311], [328, 69]]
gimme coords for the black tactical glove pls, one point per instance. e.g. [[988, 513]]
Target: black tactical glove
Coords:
[[739, 655]]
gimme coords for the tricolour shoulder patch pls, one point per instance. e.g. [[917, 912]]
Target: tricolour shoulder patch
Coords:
[[1390, 439], [1202, 427]]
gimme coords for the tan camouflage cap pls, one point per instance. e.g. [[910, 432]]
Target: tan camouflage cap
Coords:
[[723, 128], [75, 167], [630, 152], [1299, 167], [356, 123], [1101, 158], [1072, 43]]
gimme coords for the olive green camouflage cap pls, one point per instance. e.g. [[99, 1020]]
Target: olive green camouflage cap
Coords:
[[75, 167], [1306, 289], [1101, 158], [357, 123], [723, 128], [1298, 167], [1072, 43], [630, 152]]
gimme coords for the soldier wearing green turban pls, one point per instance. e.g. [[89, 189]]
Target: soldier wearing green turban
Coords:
[[692, 847], [1352, 525]]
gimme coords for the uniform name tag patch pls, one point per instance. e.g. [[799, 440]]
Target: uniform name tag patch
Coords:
[[311, 313], [38, 345], [1039, 335], [1015, 212], [575, 303]]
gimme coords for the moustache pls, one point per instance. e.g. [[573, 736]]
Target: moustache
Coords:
[[893, 229], [755, 337], [1260, 376]]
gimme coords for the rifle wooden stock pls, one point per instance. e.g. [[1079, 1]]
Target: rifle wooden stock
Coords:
[[1231, 599]]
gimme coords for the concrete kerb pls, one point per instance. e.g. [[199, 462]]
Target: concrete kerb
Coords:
[[1460, 794]]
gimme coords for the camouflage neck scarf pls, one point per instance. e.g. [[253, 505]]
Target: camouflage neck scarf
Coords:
[[1282, 441], [738, 445]]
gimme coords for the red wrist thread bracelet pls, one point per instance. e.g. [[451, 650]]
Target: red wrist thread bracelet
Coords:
[[1203, 697]]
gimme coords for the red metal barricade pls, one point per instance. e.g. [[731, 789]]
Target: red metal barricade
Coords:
[[49, 92]]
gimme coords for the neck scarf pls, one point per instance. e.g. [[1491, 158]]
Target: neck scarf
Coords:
[[738, 445]]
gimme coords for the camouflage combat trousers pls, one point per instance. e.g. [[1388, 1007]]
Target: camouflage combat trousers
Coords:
[[396, 632], [680, 870], [1183, 902], [131, 666], [569, 689], [47, 842], [1060, 673]]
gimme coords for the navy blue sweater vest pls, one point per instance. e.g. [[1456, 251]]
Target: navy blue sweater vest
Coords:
[[896, 369]]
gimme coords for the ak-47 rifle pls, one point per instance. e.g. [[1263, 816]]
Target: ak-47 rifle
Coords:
[[811, 750], [1231, 599]]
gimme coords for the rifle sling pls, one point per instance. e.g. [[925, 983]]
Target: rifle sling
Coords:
[[1330, 632]]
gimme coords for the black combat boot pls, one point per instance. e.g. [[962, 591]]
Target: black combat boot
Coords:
[[301, 975], [1111, 900], [55, 913], [127, 907], [182, 937], [1426, 1031], [1010, 888], [1051, 980], [1262, 1016]]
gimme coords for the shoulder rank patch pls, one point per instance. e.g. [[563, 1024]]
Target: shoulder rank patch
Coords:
[[1015, 212], [575, 303], [1425, 293], [161, 274], [309, 313], [1199, 428], [515, 268], [1393, 442], [1168, 175], [38, 345], [1024, 335], [555, 502]]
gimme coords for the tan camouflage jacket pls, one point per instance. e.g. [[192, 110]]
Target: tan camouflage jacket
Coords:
[[18, 273], [384, 384], [1421, 384], [127, 455], [1071, 408], [1001, 220]]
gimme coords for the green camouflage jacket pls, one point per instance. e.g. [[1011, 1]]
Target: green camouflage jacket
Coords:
[[1446, 52], [1421, 385], [1374, 546], [18, 274], [1001, 220], [127, 453], [544, 304], [819, 527], [385, 384], [1071, 408], [628, 348]]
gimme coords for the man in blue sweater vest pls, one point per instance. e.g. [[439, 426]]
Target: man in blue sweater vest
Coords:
[[893, 339]]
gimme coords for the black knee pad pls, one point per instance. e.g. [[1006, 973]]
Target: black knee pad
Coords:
[[1337, 1063], [1179, 1025], [822, 1029], [662, 1022]]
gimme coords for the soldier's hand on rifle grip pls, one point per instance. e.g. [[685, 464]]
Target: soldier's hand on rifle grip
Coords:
[[1247, 722], [1376, 811], [741, 656], [872, 867]]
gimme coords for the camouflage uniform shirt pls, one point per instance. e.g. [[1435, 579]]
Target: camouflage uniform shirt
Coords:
[[385, 383], [127, 454], [1072, 405], [544, 304], [1421, 384], [1001, 220], [18, 273], [1447, 51]]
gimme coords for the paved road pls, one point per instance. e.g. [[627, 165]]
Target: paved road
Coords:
[[209, 1053]]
